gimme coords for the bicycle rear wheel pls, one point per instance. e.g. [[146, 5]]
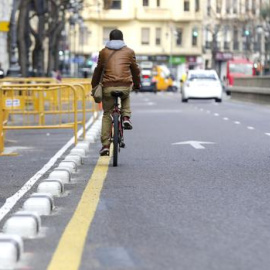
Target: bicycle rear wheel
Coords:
[[115, 138]]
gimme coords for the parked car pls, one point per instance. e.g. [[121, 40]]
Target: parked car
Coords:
[[148, 82], [164, 79], [202, 84]]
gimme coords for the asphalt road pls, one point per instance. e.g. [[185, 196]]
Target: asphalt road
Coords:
[[171, 203]]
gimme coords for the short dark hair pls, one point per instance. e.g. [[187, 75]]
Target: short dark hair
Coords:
[[116, 35]]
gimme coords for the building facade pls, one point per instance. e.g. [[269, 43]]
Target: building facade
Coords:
[[231, 29], [162, 32], [5, 12]]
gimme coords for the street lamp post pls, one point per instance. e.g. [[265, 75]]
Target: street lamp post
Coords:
[[14, 68], [266, 31]]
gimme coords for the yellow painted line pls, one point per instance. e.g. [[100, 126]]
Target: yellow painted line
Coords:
[[70, 248]]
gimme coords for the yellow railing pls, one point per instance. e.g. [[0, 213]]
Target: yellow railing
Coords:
[[38, 101]]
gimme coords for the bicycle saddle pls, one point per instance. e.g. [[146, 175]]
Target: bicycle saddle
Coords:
[[117, 93]]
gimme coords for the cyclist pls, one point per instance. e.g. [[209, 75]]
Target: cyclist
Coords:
[[122, 74]]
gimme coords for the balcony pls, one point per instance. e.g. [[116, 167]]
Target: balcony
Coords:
[[153, 14], [98, 13]]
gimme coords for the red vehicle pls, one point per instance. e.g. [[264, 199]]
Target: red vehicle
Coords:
[[239, 68]]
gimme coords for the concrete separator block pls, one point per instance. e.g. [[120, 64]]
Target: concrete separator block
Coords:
[[90, 138], [79, 152], [41, 203], [53, 186], [11, 250], [83, 145], [68, 164], [63, 175], [24, 223], [67, 169], [75, 158]]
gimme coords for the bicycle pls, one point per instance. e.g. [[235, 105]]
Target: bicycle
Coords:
[[117, 133]]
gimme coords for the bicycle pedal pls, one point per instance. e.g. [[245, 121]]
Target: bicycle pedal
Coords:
[[122, 145]]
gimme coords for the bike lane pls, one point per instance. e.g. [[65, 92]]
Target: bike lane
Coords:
[[177, 207]]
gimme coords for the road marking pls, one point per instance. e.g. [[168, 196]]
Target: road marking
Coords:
[[237, 122], [11, 201], [225, 118], [216, 114], [251, 128], [268, 134], [70, 248], [195, 144]]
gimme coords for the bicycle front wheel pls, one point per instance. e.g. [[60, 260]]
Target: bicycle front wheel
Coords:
[[115, 138]]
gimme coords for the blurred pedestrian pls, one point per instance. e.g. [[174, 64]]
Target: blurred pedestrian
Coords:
[[2, 73], [121, 74], [58, 76]]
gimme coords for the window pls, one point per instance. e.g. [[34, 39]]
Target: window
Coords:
[[207, 36], [186, 5], [228, 6], [197, 5], [158, 3], [208, 8], [112, 4], [83, 35], [116, 4], [194, 37], [235, 4], [145, 36], [158, 36], [218, 6], [179, 34], [145, 3], [226, 44], [247, 5], [235, 39], [253, 7], [106, 33]]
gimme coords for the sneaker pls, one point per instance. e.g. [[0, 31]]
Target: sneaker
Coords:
[[126, 123], [105, 150]]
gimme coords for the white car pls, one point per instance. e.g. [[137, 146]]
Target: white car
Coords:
[[202, 84]]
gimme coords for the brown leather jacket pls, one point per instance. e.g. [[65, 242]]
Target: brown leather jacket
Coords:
[[121, 70]]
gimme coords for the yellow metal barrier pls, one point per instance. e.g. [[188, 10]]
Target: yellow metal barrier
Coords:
[[1, 123], [31, 100]]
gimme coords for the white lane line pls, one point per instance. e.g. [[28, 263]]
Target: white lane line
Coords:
[[216, 114], [225, 118], [251, 128], [237, 122], [11, 201], [268, 134]]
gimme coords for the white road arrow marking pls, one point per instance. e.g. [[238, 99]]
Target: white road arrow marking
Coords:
[[195, 144]]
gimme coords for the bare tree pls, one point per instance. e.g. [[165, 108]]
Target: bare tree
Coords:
[[23, 33], [41, 21], [218, 22]]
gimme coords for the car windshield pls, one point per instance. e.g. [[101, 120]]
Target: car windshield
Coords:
[[245, 69], [208, 77]]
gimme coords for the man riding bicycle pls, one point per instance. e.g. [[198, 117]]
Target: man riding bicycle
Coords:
[[121, 74]]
